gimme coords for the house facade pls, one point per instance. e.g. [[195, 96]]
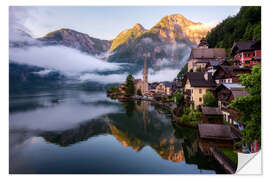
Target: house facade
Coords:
[[201, 55], [225, 94], [229, 74], [246, 53], [195, 85], [161, 88]]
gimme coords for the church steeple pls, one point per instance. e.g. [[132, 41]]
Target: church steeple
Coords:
[[145, 77], [203, 43]]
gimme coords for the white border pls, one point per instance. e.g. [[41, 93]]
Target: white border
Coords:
[[4, 74]]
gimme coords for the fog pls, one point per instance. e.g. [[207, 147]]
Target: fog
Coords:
[[60, 58], [166, 74]]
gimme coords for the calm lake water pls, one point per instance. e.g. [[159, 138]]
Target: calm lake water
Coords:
[[86, 132]]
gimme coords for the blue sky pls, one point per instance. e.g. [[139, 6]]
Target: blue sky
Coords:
[[105, 22]]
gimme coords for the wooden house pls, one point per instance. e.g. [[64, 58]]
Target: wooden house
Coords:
[[228, 74], [212, 115], [246, 53], [225, 94]]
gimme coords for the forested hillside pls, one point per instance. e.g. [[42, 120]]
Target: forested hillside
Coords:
[[246, 25]]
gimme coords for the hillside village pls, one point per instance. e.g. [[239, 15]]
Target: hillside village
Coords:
[[202, 93]]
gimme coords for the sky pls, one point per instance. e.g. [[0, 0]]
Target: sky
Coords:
[[106, 22]]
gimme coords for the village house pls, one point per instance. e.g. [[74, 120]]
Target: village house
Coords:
[[228, 74], [195, 85], [211, 115], [201, 55], [246, 53], [161, 88], [177, 85], [212, 65], [225, 94]]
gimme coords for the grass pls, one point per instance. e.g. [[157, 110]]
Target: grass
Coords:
[[230, 154]]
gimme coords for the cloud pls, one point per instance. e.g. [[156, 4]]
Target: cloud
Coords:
[[17, 30], [147, 40], [104, 79], [166, 74], [43, 72], [66, 60]]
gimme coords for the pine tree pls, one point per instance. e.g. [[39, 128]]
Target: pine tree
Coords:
[[130, 85]]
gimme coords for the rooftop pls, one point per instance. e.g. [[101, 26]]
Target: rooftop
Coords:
[[245, 45], [196, 79], [207, 53], [211, 111], [239, 93], [216, 131], [232, 86]]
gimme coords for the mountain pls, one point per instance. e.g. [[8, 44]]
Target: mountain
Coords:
[[127, 36], [176, 27], [77, 40], [170, 39]]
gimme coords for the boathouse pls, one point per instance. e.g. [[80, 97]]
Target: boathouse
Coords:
[[212, 115], [218, 134]]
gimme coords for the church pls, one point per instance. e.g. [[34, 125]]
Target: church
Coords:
[[142, 84]]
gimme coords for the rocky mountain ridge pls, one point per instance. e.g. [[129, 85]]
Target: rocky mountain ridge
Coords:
[[167, 41]]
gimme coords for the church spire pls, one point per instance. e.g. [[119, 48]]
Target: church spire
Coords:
[[145, 77]]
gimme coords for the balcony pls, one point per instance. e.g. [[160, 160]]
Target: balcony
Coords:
[[187, 92]]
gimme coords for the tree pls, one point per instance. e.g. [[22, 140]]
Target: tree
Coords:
[[183, 71], [209, 100], [139, 92], [244, 26], [179, 98], [250, 106], [113, 89], [130, 85]]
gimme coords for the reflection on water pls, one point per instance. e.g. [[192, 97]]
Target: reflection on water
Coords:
[[89, 133]]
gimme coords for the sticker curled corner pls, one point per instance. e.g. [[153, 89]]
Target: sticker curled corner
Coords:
[[249, 164]]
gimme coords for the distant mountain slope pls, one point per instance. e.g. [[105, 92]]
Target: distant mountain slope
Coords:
[[246, 25], [170, 39], [127, 36], [74, 39]]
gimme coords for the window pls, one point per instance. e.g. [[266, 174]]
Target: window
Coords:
[[247, 54], [200, 91], [200, 99], [247, 62]]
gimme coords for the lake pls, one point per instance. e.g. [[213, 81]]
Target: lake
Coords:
[[86, 132]]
